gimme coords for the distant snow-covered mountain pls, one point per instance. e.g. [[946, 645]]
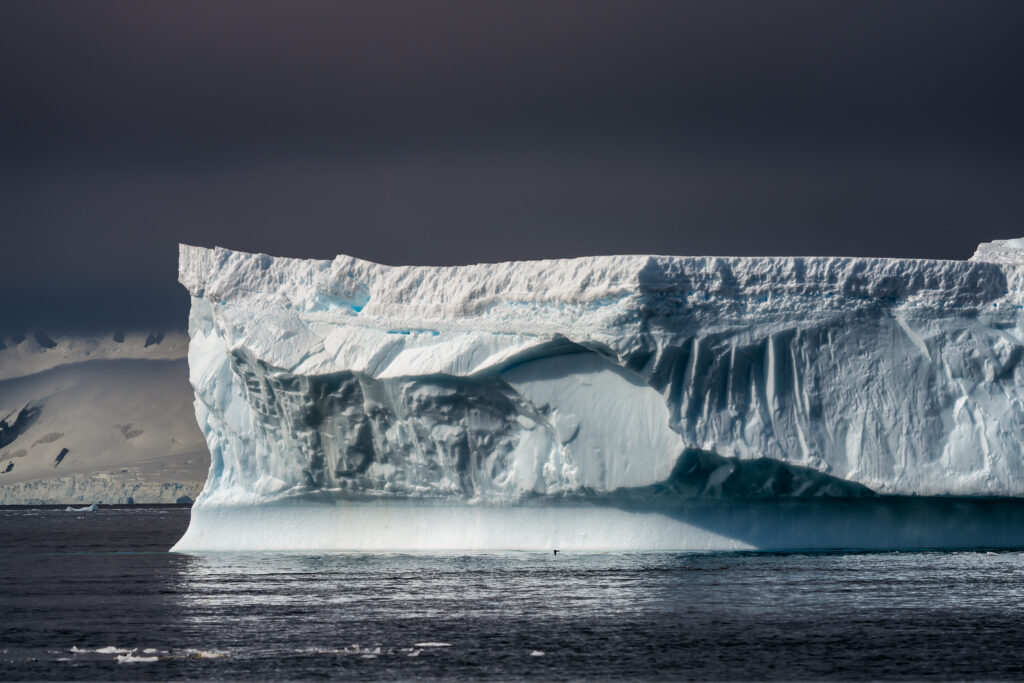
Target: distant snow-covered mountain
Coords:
[[102, 417]]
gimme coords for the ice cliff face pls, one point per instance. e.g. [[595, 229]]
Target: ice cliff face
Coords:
[[505, 382]]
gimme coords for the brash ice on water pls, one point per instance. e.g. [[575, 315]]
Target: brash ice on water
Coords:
[[617, 402]]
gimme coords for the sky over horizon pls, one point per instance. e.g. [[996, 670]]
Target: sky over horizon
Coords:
[[462, 132]]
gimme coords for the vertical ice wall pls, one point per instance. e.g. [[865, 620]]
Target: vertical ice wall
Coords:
[[499, 383]]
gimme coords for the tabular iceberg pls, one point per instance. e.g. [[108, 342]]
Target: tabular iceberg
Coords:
[[619, 402]]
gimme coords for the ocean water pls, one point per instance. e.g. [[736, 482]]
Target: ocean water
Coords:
[[97, 596]]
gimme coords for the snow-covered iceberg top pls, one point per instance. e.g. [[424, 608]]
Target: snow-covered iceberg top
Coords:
[[499, 383]]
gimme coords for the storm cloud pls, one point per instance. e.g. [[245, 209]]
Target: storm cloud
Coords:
[[459, 132]]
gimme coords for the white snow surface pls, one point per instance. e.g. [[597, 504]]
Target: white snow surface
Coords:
[[110, 418], [497, 383], [25, 355]]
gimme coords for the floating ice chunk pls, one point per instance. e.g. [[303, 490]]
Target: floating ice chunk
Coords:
[[571, 381]]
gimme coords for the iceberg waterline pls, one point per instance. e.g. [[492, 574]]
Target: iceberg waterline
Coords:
[[525, 405]]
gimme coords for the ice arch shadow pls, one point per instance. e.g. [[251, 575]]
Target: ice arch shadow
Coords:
[[771, 505]]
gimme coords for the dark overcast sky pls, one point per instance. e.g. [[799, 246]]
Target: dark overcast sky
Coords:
[[458, 132]]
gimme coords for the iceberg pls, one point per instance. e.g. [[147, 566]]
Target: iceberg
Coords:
[[608, 403]]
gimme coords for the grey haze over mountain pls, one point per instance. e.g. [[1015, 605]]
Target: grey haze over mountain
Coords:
[[458, 132]]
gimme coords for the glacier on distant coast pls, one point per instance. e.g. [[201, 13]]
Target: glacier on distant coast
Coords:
[[98, 416], [597, 403]]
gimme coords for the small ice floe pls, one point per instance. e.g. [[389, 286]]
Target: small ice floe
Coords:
[[432, 644], [135, 659], [325, 650], [353, 649], [125, 655], [89, 508], [537, 653], [206, 654]]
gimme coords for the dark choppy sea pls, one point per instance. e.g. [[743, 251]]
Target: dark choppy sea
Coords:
[[96, 596]]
